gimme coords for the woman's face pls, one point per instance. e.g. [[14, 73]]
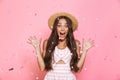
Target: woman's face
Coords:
[[62, 29]]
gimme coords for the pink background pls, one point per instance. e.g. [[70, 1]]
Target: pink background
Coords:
[[98, 19]]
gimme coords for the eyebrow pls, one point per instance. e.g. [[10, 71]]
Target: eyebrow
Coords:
[[61, 23]]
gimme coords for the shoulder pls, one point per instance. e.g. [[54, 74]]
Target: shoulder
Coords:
[[77, 42], [78, 47], [44, 47], [45, 43]]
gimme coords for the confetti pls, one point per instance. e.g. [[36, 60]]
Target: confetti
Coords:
[[35, 14], [115, 36], [37, 78], [11, 69], [97, 19], [85, 69]]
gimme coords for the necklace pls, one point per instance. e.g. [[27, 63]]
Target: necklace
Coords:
[[61, 52]]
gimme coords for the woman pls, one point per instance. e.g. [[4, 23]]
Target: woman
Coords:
[[61, 52]]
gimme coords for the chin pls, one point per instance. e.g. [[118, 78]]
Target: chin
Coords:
[[62, 39]]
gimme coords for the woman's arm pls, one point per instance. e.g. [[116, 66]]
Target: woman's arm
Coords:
[[85, 46], [81, 60], [36, 44], [40, 58]]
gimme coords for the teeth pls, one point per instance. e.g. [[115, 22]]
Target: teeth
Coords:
[[62, 33]]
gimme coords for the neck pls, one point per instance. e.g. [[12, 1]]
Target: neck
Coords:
[[62, 44], [62, 41]]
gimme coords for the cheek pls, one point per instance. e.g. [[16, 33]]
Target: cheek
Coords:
[[58, 30], [66, 30]]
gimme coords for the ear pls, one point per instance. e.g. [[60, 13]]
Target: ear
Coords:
[[51, 27]]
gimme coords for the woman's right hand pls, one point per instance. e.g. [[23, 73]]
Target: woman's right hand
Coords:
[[34, 41]]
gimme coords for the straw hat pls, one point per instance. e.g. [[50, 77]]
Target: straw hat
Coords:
[[54, 16]]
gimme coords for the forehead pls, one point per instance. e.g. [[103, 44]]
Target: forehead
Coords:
[[62, 21]]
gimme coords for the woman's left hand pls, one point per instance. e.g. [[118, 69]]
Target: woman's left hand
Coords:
[[87, 44]]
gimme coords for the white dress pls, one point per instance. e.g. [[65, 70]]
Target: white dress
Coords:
[[61, 71]]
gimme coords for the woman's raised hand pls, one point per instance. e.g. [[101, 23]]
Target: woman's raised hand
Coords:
[[87, 44], [34, 41]]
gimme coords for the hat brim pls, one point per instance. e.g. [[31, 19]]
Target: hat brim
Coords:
[[54, 16]]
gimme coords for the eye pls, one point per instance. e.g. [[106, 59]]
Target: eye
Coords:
[[66, 25], [59, 25]]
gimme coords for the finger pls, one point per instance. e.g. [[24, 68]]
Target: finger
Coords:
[[40, 39], [92, 44], [83, 40], [34, 37], [92, 41], [29, 42], [89, 39], [30, 38]]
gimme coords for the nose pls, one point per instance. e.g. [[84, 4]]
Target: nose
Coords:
[[62, 28]]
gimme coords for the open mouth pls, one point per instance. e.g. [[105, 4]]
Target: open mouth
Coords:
[[62, 33]]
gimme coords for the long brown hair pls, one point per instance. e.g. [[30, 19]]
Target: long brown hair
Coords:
[[53, 41]]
